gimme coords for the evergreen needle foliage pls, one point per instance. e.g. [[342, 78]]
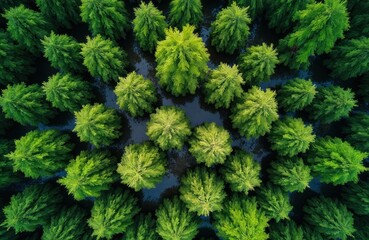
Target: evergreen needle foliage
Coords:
[[287, 230], [202, 191], [274, 202], [63, 52], [106, 17], [335, 161], [210, 144], [228, 36], [253, 117], [359, 20], [175, 222], [362, 228], [357, 131], [168, 128], [32, 208], [184, 12], [224, 86], [242, 172], [67, 92], [41, 153], [148, 26], [356, 197], [97, 124], [113, 213], [25, 104], [255, 6], [142, 166], [7, 175], [258, 63], [135, 94], [103, 59], [291, 174], [89, 174], [296, 94], [181, 61], [311, 234], [329, 217], [241, 219], [143, 229], [290, 136]]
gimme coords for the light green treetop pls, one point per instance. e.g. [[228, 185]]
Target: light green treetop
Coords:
[[184, 12]]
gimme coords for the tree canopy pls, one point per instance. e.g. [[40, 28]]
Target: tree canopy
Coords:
[[287, 230], [184, 12], [255, 6], [144, 228], [356, 130], [356, 197], [7, 175]]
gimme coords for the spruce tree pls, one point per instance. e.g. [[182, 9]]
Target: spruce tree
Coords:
[[143, 229], [228, 36], [357, 131], [241, 219], [356, 197], [255, 6], [168, 127], [362, 228], [332, 103], [318, 27], [135, 94], [67, 92], [253, 117], [25, 104], [27, 27], [335, 161], [296, 94], [41, 153], [210, 144], [63, 52], [175, 222], [148, 26], [224, 86], [311, 234], [142, 166], [106, 17], [97, 124], [202, 191], [32, 208], [103, 59], [359, 20], [181, 61], [89, 174], [113, 213], [7, 175], [291, 174], [329, 217], [5, 4], [290, 136], [242, 172], [184, 12], [286, 230], [258, 63]]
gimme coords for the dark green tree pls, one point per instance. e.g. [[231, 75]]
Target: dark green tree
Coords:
[[7, 175], [67, 92], [63, 52], [27, 27], [241, 219], [175, 222], [290, 136], [210, 144], [148, 26], [62, 12], [168, 127], [362, 228], [103, 59], [97, 124], [184, 12], [318, 27], [113, 213], [106, 17], [202, 191], [181, 61], [143, 229], [258, 63], [224, 86], [291, 174], [135, 94], [5, 4], [329, 217], [242, 172], [359, 20], [350, 59], [274, 202], [32, 208], [41, 153], [255, 6], [25, 104], [89, 174], [356, 130], [336, 161], [332, 103], [228, 36], [296, 94], [253, 117], [142, 166], [311, 234], [286, 230], [356, 197]]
